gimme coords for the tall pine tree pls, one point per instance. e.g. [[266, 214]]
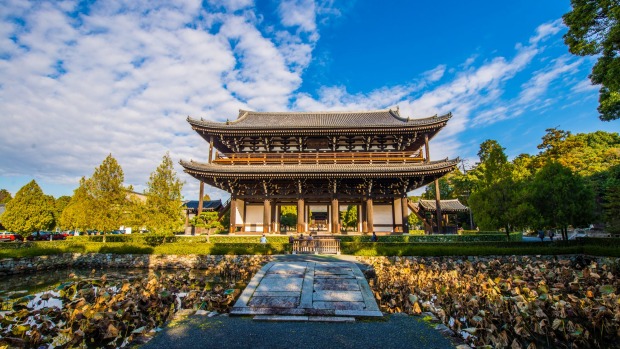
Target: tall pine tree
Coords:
[[105, 189], [163, 199]]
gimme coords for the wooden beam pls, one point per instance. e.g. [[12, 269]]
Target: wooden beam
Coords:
[[405, 213], [438, 207]]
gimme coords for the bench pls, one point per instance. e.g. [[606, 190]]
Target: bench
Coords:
[[316, 246]]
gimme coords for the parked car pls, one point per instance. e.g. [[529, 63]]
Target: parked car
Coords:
[[7, 236], [45, 236]]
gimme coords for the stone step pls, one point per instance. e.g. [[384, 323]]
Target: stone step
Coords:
[[303, 318]]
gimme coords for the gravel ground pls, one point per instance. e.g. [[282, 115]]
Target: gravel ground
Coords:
[[396, 331]]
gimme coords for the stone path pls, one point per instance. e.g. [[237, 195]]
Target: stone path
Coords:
[[308, 289]]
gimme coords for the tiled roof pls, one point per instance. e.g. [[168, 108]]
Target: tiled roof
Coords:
[[321, 170], [206, 205], [322, 119], [453, 205]]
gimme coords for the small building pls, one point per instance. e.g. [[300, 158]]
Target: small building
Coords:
[[320, 162], [427, 209]]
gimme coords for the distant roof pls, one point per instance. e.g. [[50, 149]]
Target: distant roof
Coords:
[[319, 119], [453, 205], [210, 205]]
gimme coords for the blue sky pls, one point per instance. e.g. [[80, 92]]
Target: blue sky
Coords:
[[79, 80]]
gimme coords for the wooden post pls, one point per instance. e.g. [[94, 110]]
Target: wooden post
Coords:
[[202, 194], [426, 149], [369, 215], [266, 216], [233, 215], [364, 215], [335, 216], [405, 213], [274, 216], [438, 208], [301, 223], [211, 149]]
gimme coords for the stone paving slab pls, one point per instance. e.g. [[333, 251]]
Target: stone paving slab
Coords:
[[280, 284], [274, 302], [339, 305], [311, 289], [333, 296], [336, 285]]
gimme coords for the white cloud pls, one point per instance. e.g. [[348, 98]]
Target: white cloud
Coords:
[[435, 74], [546, 30], [299, 13], [121, 79], [584, 85]]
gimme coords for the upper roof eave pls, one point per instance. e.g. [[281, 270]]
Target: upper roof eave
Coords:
[[395, 122]]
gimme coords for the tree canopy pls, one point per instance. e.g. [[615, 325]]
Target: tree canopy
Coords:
[[30, 210], [107, 195], [5, 196], [594, 30], [163, 198]]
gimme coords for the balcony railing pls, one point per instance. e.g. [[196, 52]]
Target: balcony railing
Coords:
[[318, 158]]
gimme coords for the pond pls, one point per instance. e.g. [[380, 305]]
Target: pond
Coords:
[[111, 308]]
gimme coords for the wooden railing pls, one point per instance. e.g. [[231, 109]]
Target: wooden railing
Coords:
[[319, 158], [316, 246]]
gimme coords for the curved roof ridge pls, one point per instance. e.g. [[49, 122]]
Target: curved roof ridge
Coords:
[[367, 111]]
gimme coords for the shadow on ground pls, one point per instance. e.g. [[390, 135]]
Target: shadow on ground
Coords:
[[396, 331]]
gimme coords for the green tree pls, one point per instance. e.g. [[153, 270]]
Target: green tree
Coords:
[[5, 196], [59, 205], [495, 200], [108, 196], [163, 199], [288, 216], [30, 210], [560, 197], [611, 200], [78, 213], [349, 217], [594, 30], [209, 220]]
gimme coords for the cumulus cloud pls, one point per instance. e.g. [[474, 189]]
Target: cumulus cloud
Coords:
[[117, 77]]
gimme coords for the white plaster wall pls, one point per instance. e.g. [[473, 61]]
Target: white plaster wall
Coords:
[[254, 218], [240, 205], [382, 215]]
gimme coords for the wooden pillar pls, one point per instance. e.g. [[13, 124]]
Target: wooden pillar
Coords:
[[301, 210], [211, 149], [335, 216], [359, 218], [405, 213], [233, 215], [364, 215], [266, 216], [369, 215], [202, 194], [426, 149], [438, 205], [274, 215]]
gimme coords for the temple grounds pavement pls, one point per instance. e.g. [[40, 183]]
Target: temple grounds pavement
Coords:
[[299, 301]]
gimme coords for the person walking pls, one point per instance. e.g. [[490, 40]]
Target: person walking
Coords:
[[263, 239]]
